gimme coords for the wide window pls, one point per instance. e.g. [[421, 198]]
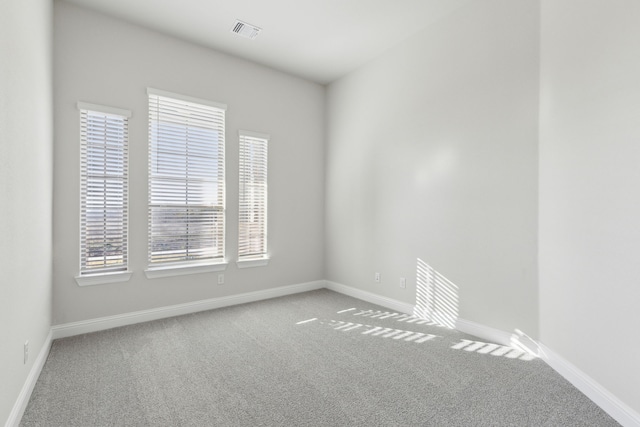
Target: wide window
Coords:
[[104, 189], [186, 180], [252, 243]]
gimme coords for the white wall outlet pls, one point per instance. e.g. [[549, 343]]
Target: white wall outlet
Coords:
[[377, 278], [403, 282], [26, 352], [220, 279]]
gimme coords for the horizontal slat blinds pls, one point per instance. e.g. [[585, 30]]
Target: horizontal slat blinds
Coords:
[[186, 181], [252, 242], [104, 191]]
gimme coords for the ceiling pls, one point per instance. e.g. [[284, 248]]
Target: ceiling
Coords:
[[320, 40]]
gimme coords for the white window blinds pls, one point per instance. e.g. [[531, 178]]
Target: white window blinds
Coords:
[[104, 189], [252, 242], [186, 179]]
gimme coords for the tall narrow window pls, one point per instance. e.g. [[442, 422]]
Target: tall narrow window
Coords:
[[186, 180], [104, 189], [252, 244]]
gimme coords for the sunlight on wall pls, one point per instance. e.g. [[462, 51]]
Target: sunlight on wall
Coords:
[[524, 342], [436, 296]]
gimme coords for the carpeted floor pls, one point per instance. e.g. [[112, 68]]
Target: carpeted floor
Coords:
[[312, 359]]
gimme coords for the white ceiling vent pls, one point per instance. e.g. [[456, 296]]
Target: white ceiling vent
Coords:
[[246, 30]]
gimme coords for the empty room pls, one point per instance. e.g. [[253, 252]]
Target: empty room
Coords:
[[319, 212]]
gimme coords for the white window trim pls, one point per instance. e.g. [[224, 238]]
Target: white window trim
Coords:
[[103, 278], [158, 92], [254, 134], [103, 109], [181, 269], [254, 261], [250, 263]]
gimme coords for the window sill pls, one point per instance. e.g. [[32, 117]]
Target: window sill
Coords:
[[180, 270], [103, 278], [249, 263]]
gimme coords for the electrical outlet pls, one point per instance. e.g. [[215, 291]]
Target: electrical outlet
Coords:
[[377, 278], [220, 279], [26, 352], [403, 282]]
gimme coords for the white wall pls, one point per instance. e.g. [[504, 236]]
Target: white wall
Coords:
[[25, 189], [106, 61], [590, 189], [432, 154]]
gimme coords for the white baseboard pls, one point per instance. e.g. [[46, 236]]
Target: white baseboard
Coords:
[[594, 391], [25, 394], [598, 394], [109, 322], [484, 332], [393, 304], [468, 327], [481, 331]]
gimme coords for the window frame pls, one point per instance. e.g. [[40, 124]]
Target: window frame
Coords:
[[88, 276], [185, 266], [261, 146]]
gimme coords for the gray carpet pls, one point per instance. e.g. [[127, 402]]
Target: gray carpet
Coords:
[[312, 359]]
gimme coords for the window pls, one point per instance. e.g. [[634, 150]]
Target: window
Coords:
[[252, 243], [104, 191], [186, 181]]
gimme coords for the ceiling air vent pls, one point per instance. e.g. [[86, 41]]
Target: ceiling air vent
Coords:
[[246, 30]]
